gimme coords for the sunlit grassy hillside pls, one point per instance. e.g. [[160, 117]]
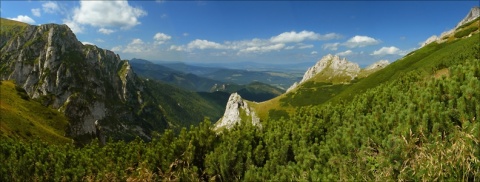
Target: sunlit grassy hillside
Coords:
[[26, 119]]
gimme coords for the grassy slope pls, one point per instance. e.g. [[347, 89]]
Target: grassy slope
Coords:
[[27, 119], [429, 59]]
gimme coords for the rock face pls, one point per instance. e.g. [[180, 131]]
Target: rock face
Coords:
[[83, 81], [378, 65], [334, 69], [236, 110], [472, 15], [333, 66]]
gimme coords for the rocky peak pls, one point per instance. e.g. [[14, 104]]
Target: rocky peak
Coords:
[[334, 65], [83, 81], [236, 110], [378, 65], [472, 15]]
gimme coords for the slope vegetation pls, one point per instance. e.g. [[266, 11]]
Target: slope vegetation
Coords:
[[26, 119]]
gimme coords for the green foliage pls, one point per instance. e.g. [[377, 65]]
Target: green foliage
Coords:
[[465, 32], [409, 129]]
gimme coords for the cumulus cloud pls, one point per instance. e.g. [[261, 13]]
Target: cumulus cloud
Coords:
[[261, 49], [289, 37], [50, 7], [89, 43], [388, 50], [107, 14], [360, 41], [23, 18], [161, 38], [286, 41], [314, 52], [74, 26], [331, 46], [305, 46], [106, 31], [345, 53], [137, 46], [36, 12], [204, 44]]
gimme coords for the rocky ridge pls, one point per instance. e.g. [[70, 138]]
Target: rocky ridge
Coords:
[[334, 67], [85, 82], [236, 110], [472, 15]]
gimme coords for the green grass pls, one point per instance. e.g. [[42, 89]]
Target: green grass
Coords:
[[27, 119]]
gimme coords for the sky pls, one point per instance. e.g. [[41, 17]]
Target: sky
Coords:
[[275, 32]]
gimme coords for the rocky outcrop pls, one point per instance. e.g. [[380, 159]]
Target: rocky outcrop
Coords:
[[333, 66], [83, 81], [237, 110], [378, 65], [472, 15]]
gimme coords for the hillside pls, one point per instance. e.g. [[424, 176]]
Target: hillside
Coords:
[[428, 60], [89, 84], [412, 127], [27, 119]]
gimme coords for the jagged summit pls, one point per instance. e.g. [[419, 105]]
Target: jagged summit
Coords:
[[334, 69], [84, 82], [378, 65], [334, 65], [472, 15], [237, 110]]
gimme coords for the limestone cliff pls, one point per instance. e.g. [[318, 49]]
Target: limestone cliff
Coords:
[[332, 67], [336, 70], [237, 110], [83, 81], [474, 14]]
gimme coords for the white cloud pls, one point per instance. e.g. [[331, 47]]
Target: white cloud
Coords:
[[161, 38], [108, 14], [389, 50], [36, 12], [117, 48], [314, 52], [185, 34], [302, 46], [257, 45], [360, 41], [262, 49], [106, 31], [289, 37], [99, 40], [50, 7], [85, 43], [177, 48], [204, 44], [74, 26], [163, 16], [345, 53], [137, 46], [23, 18], [331, 46]]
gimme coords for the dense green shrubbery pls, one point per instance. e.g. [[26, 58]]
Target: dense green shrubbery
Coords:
[[412, 128], [465, 32]]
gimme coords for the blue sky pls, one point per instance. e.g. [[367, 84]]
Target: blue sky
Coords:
[[237, 31]]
